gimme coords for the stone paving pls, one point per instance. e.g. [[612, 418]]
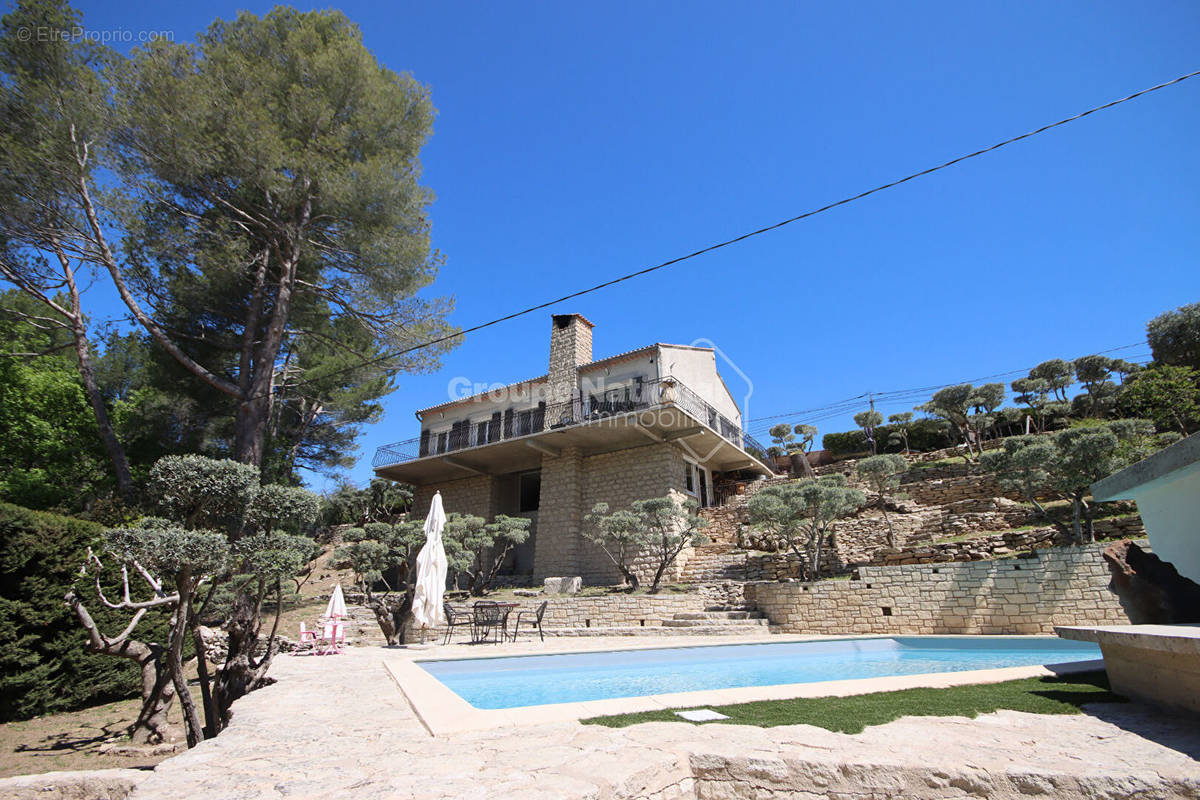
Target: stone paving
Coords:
[[338, 727]]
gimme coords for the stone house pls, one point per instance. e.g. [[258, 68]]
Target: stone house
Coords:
[[644, 423]]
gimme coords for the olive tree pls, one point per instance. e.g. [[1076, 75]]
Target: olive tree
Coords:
[[219, 525], [953, 404], [882, 474], [386, 553], [488, 546], [1034, 393], [1065, 464], [656, 529], [1094, 372], [798, 515], [898, 437], [1174, 337], [1170, 396], [672, 526], [984, 400], [621, 535], [172, 564], [785, 437], [1058, 375], [869, 421]]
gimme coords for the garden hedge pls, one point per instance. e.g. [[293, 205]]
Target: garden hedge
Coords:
[[44, 666]]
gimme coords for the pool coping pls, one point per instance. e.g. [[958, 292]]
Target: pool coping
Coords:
[[442, 711]]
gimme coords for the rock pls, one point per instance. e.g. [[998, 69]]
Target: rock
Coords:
[[99, 784], [527, 592], [1151, 590], [562, 585]]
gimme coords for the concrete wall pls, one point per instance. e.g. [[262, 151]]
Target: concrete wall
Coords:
[[1059, 586], [1171, 512], [696, 368]]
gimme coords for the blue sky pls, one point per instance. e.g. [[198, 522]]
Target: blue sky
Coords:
[[579, 141]]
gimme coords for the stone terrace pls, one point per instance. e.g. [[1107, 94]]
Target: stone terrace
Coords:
[[337, 727]]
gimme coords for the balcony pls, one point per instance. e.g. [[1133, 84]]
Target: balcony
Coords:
[[664, 410]]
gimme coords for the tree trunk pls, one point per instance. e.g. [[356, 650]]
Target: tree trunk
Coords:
[[392, 615], [1076, 528], [238, 676], [158, 692], [630, 576], [116, 451], [250, 423], [658, 573], [179, 630], [891, 534], [814, 568]]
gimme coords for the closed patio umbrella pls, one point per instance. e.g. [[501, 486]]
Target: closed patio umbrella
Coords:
[[336, 609], [431, 570]]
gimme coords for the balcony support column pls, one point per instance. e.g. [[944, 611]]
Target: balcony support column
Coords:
[[560, 516]]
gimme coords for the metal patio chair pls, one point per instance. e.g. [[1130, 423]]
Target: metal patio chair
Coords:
[[488, 618], [457, 618], [531, 619]]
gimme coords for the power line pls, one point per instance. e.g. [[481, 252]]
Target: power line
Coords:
[[891, 399], [758, 232]]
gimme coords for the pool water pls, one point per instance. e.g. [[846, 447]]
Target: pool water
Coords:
[[514, 681]]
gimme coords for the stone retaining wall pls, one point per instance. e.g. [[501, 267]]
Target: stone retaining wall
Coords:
[[1009, 542], [1059, 586], [610, 611]]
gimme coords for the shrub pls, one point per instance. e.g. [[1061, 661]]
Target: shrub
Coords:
[[845, 443], [923, 435], [44, 664]]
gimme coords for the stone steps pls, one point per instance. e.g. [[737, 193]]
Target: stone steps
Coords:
[[734, 615]]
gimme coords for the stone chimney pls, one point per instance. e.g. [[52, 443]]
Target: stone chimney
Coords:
[[570, 348]]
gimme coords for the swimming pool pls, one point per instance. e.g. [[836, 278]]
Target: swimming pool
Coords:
[[515, 681]]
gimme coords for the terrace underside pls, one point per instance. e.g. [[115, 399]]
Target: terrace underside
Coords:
[[665, 423]]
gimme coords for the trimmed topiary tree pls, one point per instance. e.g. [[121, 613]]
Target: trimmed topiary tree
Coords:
[[882, 473], [798, 515]]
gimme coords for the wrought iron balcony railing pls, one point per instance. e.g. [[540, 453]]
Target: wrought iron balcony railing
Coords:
[[511, 424]]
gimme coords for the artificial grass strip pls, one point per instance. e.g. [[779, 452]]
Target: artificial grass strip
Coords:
[[1046, 695]]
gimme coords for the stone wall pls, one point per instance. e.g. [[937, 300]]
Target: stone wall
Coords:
[[608, 611], [572, 484], [473, 495], [1030, 595], [1008, 542]]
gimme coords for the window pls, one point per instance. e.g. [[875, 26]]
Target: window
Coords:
[[530, 491], [443, 439], [689, 477]]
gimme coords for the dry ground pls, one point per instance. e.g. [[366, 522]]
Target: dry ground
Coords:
[[76, 740]]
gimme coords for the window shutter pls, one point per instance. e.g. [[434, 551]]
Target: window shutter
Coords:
[[494, 428], [508, 424], [424, 449]]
